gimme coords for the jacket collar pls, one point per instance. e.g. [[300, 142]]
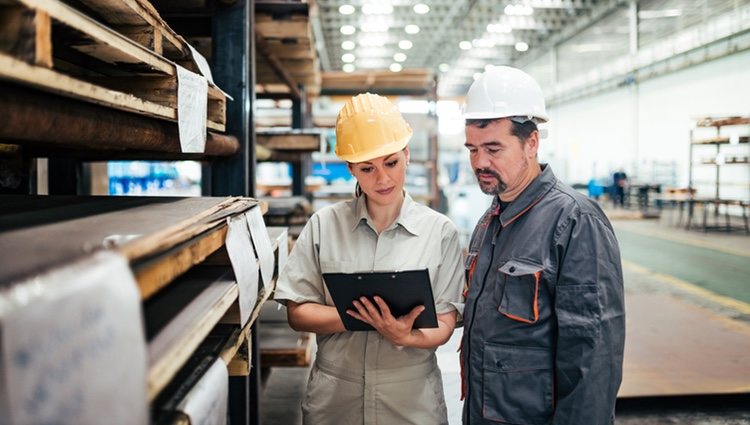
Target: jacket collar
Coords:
[[530, 196], [406, 217]]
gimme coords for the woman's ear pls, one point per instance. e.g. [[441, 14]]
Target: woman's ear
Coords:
[[406, 152]]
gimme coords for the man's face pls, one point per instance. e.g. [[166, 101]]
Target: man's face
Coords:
[[498, 158]]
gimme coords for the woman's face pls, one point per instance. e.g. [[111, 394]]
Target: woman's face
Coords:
[[382, 178]]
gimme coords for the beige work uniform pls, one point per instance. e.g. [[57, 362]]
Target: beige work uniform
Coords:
[[361, 377]]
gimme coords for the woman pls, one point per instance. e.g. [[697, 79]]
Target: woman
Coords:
[[390, 375]]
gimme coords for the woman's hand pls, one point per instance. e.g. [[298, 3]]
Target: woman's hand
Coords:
[[379, 316]]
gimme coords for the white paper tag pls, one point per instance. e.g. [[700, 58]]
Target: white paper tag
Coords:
[[262, 244], [73, 349], [192, 110], [283, 250], [206, 403], [244, 264], [202, 64]]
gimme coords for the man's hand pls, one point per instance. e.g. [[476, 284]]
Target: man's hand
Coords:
[[379, 316]]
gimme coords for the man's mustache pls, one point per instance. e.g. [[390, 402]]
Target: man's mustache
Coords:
[[493, 173]]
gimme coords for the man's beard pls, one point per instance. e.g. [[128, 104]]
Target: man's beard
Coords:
[[491, 188]]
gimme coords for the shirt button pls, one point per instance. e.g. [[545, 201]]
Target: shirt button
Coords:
[[512, 269], [499, 364]]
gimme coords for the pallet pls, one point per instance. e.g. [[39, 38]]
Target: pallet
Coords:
[[50, 46], [408, 81], [293, 140]]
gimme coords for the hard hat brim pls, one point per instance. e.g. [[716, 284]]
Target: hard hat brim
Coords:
[[384, 150]]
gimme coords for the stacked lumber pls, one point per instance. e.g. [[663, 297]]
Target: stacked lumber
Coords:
[[285, 45], [414, 81], [127, 60], [176, 252]]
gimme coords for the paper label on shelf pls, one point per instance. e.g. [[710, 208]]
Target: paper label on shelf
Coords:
[[206, 403], [245, 266], [192, 110], [262, 244], [205, 69], [73, 348]]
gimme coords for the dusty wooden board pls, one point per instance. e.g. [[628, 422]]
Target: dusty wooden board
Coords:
[[417, 80], [190, 308], [293, 140], [110, 53], [41, 232], [722, 121]]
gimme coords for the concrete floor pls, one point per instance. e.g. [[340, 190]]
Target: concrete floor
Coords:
[[702, 272]]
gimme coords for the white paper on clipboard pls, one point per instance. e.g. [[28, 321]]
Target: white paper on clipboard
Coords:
[[262, 244], [73, 348], [192, 110], [206, 403], [244, 264]]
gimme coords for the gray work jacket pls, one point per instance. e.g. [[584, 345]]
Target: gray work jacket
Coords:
[[544, 323]]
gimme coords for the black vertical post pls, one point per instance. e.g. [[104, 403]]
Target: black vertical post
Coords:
[[234, 71], [63, 176], [300, 119]]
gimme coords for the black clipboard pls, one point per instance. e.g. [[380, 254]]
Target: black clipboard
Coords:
[[402, 291]]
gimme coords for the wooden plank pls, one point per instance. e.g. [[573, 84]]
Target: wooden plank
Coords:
[[276, 65], [27, 35], [289, 141], [280, 346], [174, 344], [722, 121], [46, 79], [108, 45], [92, 131], [145, 35], [160, 272], [295, 27]]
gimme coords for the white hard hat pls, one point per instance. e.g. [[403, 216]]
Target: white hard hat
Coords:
[[504, 91]]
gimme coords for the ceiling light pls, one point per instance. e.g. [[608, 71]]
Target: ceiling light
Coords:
[[396, 67], [348, 30], [405, 44], [348, 67], [411, 29], [518, 9], [374, 27], [377, 9], [444, 67], [348, 45], [421, 8], [348, 57], [521, 46], [372, 41], [465, 45], [399, 57], [656, 14], [499, 28], [483, 42], [346, 9]]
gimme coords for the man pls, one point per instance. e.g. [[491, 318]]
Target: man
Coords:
[[544, 321]]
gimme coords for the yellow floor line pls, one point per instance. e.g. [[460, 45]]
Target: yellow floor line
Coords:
[[734, 304], [689, 241]]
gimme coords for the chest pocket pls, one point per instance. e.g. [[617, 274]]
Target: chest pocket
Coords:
[[520, 295]]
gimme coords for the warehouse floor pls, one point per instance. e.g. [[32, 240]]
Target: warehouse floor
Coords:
[[688, 304]]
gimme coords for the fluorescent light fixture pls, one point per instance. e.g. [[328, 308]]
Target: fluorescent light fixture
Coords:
[[348, 67], [444, 67], [372, 40], [395, 67], [421, 8], [346, 9], [405, 44], [348, 30], [499, 28], [348, 45], [656, 14], [399, 57], [521, 46], [465, 45], [411, 29], [377, 9], [348, 57], [483, 42], [518, 10], [374, 27]]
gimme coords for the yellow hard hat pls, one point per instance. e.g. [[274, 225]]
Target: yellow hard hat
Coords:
[[370, 126]]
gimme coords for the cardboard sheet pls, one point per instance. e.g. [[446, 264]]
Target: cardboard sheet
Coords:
[[206, 403], [73, 349], [244, 264]]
